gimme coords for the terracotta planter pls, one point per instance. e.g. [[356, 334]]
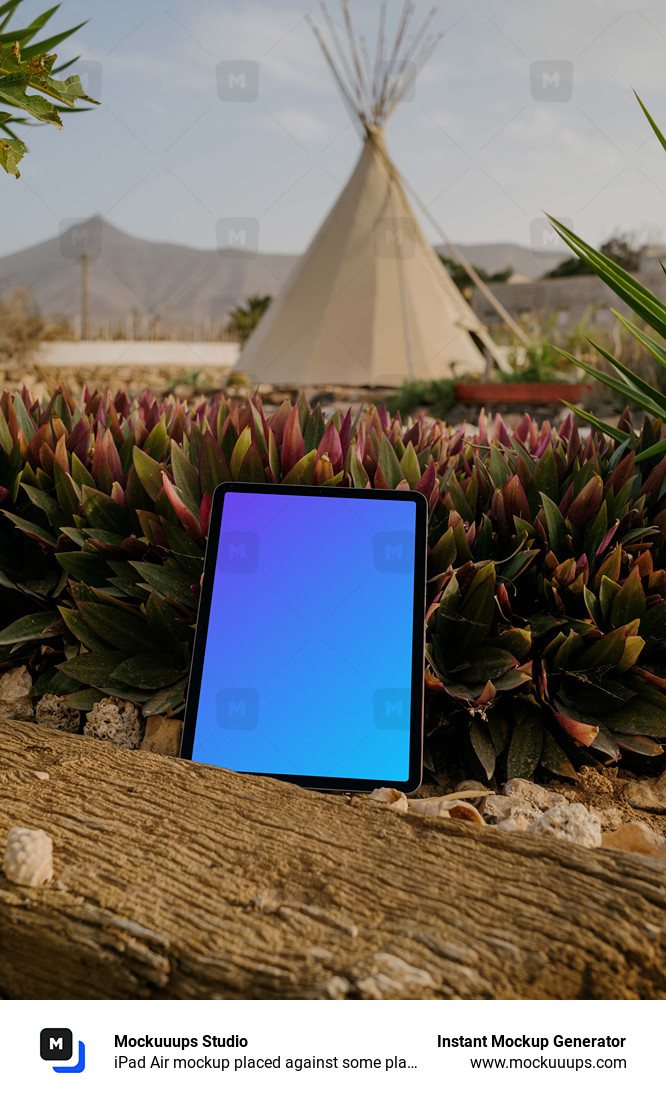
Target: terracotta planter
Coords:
[[520, 393]]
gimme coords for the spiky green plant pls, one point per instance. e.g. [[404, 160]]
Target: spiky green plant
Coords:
[[28, 67], [652, 311]]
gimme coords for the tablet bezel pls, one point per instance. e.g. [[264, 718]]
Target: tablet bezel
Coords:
[[318, 782]]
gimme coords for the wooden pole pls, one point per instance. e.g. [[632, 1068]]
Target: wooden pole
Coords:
[[85, 296]]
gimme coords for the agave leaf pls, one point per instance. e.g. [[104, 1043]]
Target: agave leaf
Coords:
[[583, 732], [483, 746], [653, 124], [633, 647], [102, 511], [629, 602], [525, 747], [186, 479], [546, 479], [241, 448], [517, 640], [85, 699], [587, 503], [635, 743], [259, 434], [314, 430], [148, 670], [273, 456], [189, 522], [122, 625], [168, 699], [409, 465], [632, 385], [157, 443], [358, 472], [92, 668], [84, 565], [389, 464], [443, 554], [593, 605], [148, 471], [554, 758], [80, 474], [125, 580], [293, 444], [252, 467], [611, 566], [213, 466], [491, 663], [601, 425], [32, 628], [556, 526], [500, 471], [608, 651], [630, 290], [32, 529], [638, 717], [302, 472], [167, 580], [652, 452], [24, 420]]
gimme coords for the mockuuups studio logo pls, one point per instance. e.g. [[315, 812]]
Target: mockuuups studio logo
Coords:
[[544, 236], [237, 81], [238, 708], [241, 234], [56, 1045], [80, 236], [238, 552], [391, 708], [551, 81], [393, 551], [394, 239]]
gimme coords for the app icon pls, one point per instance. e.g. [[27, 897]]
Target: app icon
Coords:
[[56, 1045]]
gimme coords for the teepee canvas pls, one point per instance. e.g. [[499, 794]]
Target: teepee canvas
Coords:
[[369, 303]]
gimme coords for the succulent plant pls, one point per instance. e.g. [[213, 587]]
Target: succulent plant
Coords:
[[546, 620]]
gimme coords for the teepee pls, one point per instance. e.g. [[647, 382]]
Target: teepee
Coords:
[[369, 303]]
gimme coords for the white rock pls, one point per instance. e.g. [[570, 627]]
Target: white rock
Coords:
[[28, 857], [54, 711], [537, 796], [15, 701], [610, 818], [513, 824], [162, 735], [636, 837], [115, 720], [571, 821], [499, 807]]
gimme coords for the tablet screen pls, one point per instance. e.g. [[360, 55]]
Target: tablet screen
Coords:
[[312, 661]]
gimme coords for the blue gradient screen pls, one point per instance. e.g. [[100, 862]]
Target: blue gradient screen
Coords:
[[308, 659]]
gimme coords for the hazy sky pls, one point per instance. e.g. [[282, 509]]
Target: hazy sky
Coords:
[[166, 158]]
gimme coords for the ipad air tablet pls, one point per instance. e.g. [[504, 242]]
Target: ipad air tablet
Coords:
[[308, 655]]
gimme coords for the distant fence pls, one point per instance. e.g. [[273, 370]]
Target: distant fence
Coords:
[[140, 327]]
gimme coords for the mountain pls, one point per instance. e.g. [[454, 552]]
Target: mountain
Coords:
[[172, 281], [531, 264]]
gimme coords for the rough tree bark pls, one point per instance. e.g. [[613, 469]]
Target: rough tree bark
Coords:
[[174, 879]]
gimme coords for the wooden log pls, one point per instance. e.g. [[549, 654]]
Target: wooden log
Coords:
[[177, 880]]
